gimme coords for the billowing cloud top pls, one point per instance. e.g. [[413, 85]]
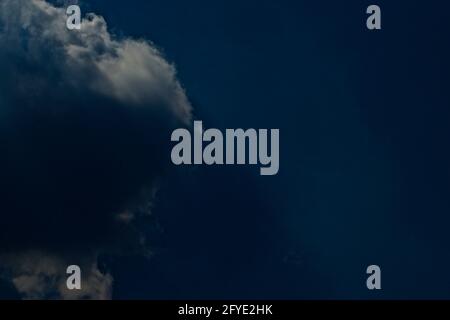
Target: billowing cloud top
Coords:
[[128, 70], [85, 122]]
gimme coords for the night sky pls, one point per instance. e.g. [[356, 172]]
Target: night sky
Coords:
[[364, 153]]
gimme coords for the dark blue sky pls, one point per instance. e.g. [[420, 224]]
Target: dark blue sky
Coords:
[[364, 162], [364, 173]]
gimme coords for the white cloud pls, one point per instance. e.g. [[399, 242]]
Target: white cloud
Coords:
[[132, 71]]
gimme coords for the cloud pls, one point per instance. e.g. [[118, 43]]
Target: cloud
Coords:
[[85, 122], [128, 70], [36, 275]]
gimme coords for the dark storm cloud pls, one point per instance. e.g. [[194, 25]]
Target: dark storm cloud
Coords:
[[84, 126]]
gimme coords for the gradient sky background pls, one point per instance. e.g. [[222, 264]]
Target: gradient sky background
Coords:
[[364, 162]]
